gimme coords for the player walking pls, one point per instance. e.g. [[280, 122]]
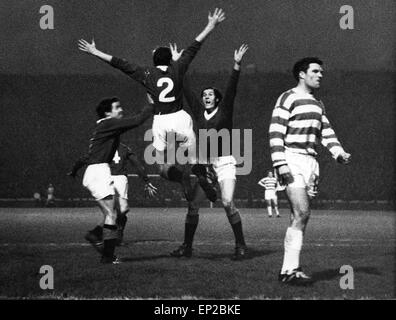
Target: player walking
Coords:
[[164, 83], [299, 123], [269, 183], [212, 111]]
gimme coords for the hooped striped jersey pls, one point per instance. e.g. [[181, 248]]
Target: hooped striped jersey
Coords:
[[269, 183], [299, 124]]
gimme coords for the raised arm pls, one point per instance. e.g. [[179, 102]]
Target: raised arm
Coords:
[[230, 93], [192, 100], [186, 56], [130, 69], [213, 20], [91, 49]]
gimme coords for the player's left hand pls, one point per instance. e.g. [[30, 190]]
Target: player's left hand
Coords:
[[175, 54], [150, 190], [344, 158], [86, 46], [238, 54]]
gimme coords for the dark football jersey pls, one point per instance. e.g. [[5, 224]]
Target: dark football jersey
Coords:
[[222, 119], [106, 137], [119, 164], [165, 85]]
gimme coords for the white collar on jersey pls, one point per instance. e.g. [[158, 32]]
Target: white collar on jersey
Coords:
[[163, 68], [100, 120], [210, 116]]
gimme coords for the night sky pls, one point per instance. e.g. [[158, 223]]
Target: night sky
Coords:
[[277, 31]]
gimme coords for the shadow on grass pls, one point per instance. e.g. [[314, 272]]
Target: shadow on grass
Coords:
[[251, 254], [147, 258], [330, 274]]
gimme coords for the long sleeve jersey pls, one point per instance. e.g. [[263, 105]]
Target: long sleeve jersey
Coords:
[[221, 119], [106, 136], [299, 124], [163, 83]]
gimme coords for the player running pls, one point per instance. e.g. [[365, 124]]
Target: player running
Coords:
[[212, 111], [97, 177], [269, 183], [299, 123], [119, 173], [164, 83]]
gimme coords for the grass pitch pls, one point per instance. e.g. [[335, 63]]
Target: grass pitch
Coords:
[[31, 238]]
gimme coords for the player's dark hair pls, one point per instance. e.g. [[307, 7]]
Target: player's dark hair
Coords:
[[303, 65], [162, 56], [105, 106], [217, 93]]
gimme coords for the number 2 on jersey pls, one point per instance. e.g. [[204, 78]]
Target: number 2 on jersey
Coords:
[[168, 88]]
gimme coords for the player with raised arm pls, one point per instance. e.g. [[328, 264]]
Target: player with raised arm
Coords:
[[212, 111], [97, 177], [269, 183], [119, 173], [164, 83], [299, 123]]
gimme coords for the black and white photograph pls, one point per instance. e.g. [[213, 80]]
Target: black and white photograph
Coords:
[[197, 154]]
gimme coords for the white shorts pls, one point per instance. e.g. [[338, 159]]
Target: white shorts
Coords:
[[270, 195], [304, 168], [98, 180], [225, 167], [179, 123], [121, 186]]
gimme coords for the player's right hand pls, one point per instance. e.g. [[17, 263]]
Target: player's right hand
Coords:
[[86, 46], [344, 158], [284, 175], [150, 190], [215, 18], [238, 54]]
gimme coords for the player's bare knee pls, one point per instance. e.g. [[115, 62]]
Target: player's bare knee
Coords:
[[227, 203], [124, 207], [301, 218]]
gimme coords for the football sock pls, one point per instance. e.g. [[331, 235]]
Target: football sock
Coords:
[[269, 209], [236, 225], [238, 233], [109, 232], [189, 229], [109, 247], [122, 220], [277, 211], [110, 237], [293, 244]]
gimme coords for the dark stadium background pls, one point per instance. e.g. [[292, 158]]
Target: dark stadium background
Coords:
[[48, 89]]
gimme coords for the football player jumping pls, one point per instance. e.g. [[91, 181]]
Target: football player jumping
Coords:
[[164, 83]]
